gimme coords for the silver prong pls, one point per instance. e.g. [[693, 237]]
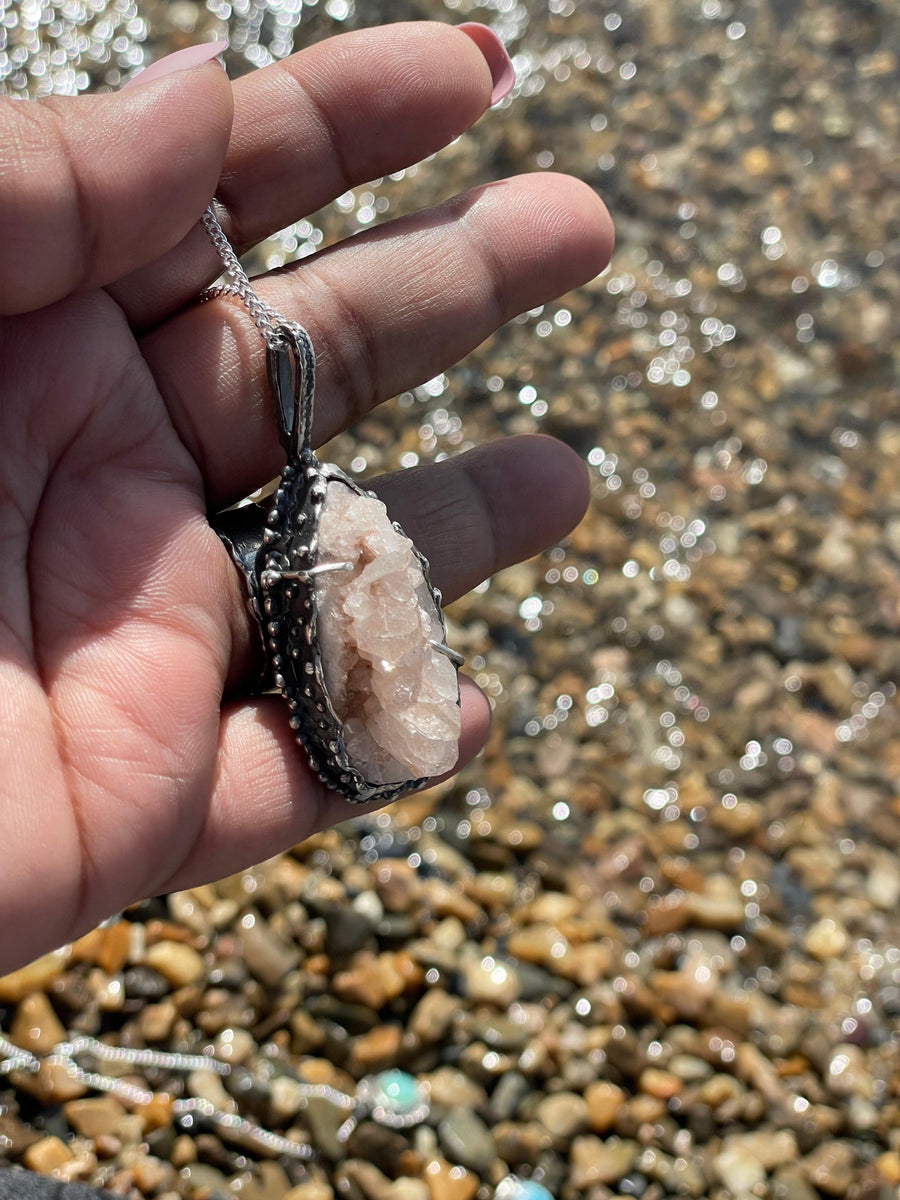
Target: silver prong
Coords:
[[324, 568], [319, 569], [268, 577], [455, 657]]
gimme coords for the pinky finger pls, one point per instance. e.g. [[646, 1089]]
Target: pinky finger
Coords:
[[266, 798]]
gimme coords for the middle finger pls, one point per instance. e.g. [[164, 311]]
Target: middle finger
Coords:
[[386, 310], [337, 114]]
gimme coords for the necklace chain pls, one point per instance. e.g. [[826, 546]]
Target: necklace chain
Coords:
[[291, 358], [267, 320]]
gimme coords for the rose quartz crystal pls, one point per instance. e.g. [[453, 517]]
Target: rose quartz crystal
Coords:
[[396, 697]]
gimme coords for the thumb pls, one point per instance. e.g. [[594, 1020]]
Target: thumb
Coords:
[[93, 187]]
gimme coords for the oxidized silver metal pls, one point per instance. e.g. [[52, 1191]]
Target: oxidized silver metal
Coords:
[[276, 549]]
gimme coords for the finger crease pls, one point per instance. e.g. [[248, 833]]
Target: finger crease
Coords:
[[88, 241], [496, 269], [493, 524], [320, 112], [360, 367]]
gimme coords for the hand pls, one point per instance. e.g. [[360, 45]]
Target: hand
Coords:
[[129, 412]]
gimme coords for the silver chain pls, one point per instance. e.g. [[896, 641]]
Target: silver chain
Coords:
[[266, 319], [14, 1059]]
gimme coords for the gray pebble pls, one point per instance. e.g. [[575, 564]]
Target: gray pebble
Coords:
[[465, 1139]]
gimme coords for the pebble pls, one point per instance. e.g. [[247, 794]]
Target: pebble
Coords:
[[448, 1182], [826, 939], [595, 1161], [150, 1173], [144, 984], [35, 977], [679, 1176], [94, 1117], [313, 1190], [453, 1088], [35, 1026], [269, 957], [883, 885], [848, 1073], [719, 906], [689, 1068], [47, 1156], [51, 1084], [661, 1084], [888, 1165], [324, 1120], [208, 1086], [351, 929], [489, 981], [234, 1046], [789, 1183], [204, 1180], [306, 1034], [155, 1114], [511, 1089], [771, 1149], [377, 1049], [739, 1170], [830, 1167], [465, 1139], [178, 963], [563, 1115], [604, 1101], [433, 1016], [157, 1020], [520, 1142]]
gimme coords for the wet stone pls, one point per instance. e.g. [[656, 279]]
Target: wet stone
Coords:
[[178, 963], [563, 1115], [465, 1139], [375, 1143], [47, 1156], [268, 956], [831, 1167], [145, 984], [324, 1120], [739, 1170], [95, 1116], [604, 1102], [506, 1097], [347, 930], [35, 1026], [595, 1161]]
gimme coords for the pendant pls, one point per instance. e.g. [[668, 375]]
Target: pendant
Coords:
[[352, 629]]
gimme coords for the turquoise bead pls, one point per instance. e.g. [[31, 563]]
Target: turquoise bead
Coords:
[[513, 1188], [397, 1091]]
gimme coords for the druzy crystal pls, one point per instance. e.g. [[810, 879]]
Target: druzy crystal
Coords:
[[396, 696]]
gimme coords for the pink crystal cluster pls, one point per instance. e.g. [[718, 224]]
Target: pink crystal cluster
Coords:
[[395, 695]]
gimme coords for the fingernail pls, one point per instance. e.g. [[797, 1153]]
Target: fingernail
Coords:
[[502, 71], [181, 60]]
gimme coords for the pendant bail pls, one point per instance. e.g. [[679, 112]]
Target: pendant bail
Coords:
[[291, 367]]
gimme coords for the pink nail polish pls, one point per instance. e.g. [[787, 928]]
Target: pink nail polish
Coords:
[[502, 71], [181, 60]]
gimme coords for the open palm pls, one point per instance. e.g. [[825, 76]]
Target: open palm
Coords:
[[132, 759]]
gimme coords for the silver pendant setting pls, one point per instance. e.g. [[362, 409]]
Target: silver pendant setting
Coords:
[[277, 550]]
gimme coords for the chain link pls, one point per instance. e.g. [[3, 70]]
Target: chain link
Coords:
[[266, 319]]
